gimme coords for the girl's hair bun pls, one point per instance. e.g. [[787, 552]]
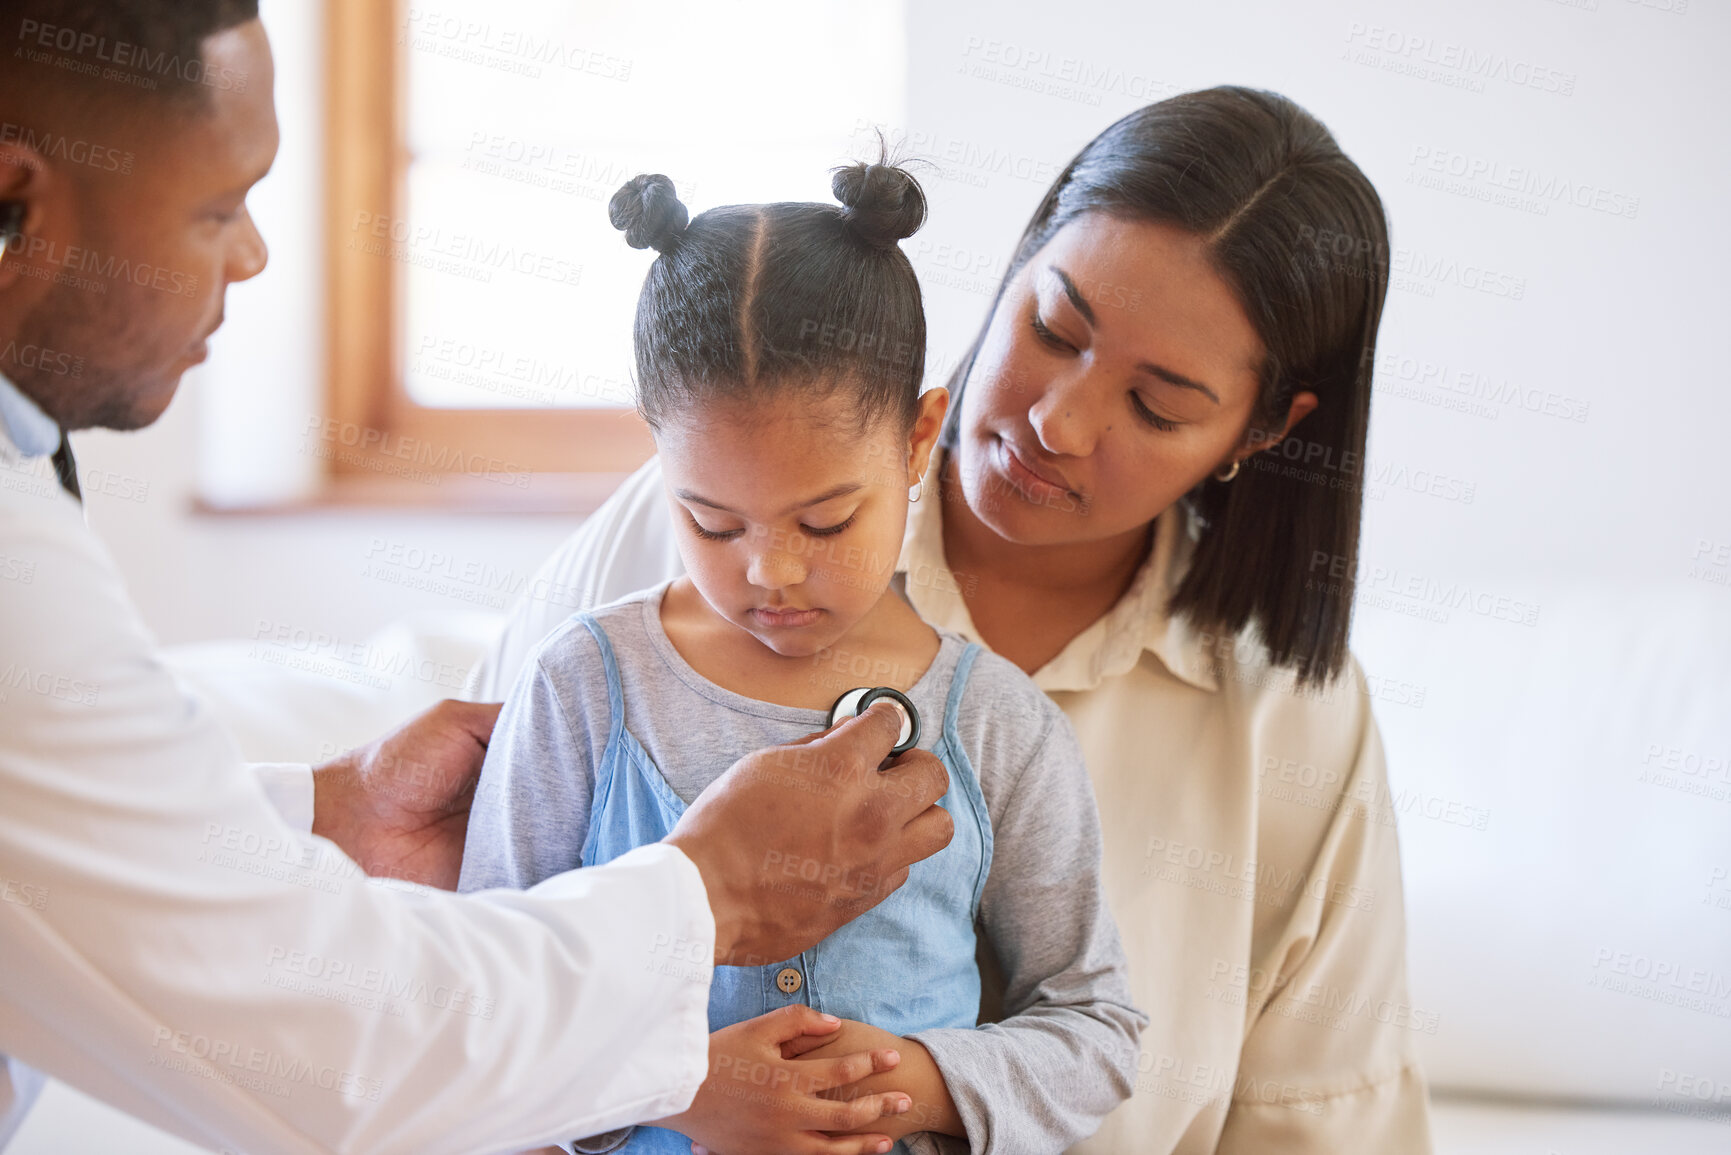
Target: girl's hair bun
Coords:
[[648, 212], [882, 203]]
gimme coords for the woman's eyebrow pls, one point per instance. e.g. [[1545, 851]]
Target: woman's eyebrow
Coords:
[[1075, 295], [841, 490], [1178, 379], [1169, 376]]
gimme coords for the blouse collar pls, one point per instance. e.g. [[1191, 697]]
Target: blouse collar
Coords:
[[1108, 648]]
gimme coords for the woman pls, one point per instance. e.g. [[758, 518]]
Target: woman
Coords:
[[1201, 285]]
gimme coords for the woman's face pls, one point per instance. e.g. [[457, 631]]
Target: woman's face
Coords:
[[1118, 371]]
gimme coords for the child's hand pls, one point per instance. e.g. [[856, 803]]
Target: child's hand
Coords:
[[756, 1101], [917, 1075]]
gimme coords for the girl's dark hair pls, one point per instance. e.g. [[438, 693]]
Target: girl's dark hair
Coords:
[[747, 299], [1299, 233]]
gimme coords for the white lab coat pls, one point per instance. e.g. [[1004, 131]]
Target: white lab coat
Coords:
[[170, 944]]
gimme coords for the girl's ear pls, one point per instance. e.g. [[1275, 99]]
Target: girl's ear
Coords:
[[934, 403]]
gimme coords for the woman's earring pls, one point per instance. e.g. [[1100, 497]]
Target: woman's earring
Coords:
[[918, 490], [1227, 474]]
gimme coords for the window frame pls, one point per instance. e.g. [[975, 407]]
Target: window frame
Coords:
[[483, 458]]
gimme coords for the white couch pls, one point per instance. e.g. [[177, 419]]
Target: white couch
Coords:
[[1518, 931]]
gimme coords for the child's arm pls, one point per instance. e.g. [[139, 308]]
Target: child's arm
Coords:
[[1065, 1054], [531, 809]]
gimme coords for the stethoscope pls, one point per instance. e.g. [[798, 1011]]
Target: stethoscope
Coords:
[[855, 701]]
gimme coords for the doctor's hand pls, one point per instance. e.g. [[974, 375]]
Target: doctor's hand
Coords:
[[400, 806], [794, 841], [756, 1102]]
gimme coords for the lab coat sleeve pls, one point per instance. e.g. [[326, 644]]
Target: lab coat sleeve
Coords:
[[169, 943], [1327, 1064], [626, 545], [289, 786]]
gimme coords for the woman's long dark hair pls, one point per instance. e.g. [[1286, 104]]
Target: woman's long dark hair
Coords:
[[1299, 234]]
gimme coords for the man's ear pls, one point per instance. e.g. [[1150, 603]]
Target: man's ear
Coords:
[[934, 403]]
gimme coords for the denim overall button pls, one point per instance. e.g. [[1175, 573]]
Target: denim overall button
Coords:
[[788, 980]]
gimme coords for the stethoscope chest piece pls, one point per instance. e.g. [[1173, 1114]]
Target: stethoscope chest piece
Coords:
[[855, 701]]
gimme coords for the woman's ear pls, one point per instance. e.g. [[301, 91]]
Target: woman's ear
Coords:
[[1303, 405], [934, 403]]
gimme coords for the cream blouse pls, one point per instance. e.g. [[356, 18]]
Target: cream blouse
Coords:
[[1251, 857]]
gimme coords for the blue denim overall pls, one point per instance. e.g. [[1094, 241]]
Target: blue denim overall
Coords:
[[905, 965]]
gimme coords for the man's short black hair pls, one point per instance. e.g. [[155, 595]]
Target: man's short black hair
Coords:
[[123, 48]]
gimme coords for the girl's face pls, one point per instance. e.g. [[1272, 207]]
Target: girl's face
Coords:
[[1118, 371], [790, 521]]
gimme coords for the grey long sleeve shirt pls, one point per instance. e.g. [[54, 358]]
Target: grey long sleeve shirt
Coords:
[[1064, 1054]]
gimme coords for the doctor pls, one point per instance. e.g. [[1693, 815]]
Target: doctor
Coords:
[[174, 937]]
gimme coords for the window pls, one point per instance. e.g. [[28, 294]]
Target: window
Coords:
[[481, 303]]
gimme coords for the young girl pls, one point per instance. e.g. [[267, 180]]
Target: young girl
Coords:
[[780, 350]]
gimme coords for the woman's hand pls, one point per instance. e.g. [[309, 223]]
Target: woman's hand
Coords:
[[759, 1101], [917, 1076]]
